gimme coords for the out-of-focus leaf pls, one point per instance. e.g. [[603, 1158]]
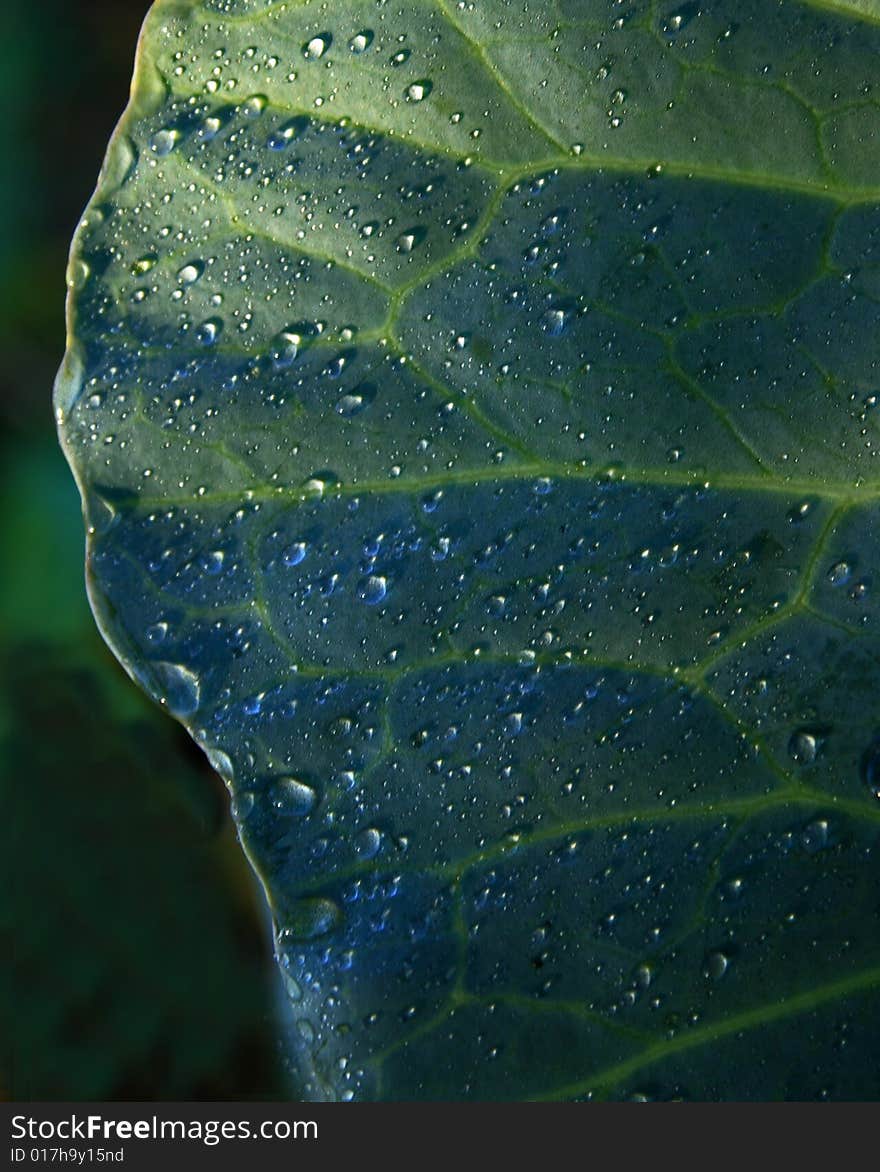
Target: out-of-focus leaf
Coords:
[[134, 963], [473, 407]]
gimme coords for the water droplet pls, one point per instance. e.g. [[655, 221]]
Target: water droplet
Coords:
[[210, 128], [805, 744], [368, 842], [555, 320], [242, 805], [287, 132], [209, 331], [295, 553], [356, 400], [840, 573], [254, 106], [417, 91], [361, 41], [157, 633], [221, 762], [292, 796], [317, 46], [800, 511], [180, 687], [212, 563], [410, 239], [308, 918], [143, 264], [163, 142], [815, 836], [190, 272], [716, 965], [372, 590]]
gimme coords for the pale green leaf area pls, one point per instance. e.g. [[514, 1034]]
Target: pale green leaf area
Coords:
[[474, 406]]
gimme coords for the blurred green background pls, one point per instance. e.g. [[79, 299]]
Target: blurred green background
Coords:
[[136, 953]]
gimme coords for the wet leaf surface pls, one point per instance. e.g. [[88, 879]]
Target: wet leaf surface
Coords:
[[474, 408]]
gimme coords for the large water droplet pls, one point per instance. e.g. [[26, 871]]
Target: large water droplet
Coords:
[[368, 842], [209, 331], [295, 553], [317, 46], [417, 91], [361, 41], [191, 272], [180, 687], [372, 590], [292, 796], [840, 573], [805, 743], [356, 400], [163, 142], [221, 762], [308, 918]]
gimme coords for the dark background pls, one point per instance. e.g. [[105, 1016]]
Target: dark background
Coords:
[[136, 953]]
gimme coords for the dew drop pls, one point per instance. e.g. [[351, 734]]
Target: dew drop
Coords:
[[372, 590], [308, 918], [209, 331], [716, 966], [163, 142], [361, 41], [410, 239], [287, 133], [295, 553], [815, 836], [254, 106], [191, 272], [221, 763], [143, 264], [157, 633], [368, 842], [356, 400], [317, 46], [289, 795], [417, 91], [840, 573], [180, 687], [805, 744]]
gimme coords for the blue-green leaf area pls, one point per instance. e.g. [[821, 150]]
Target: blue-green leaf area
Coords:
[[474, 409]]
